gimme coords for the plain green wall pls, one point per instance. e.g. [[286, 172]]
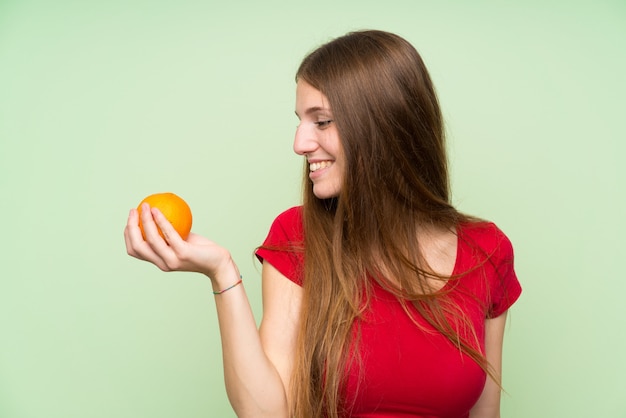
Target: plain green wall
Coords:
[[104, 102]]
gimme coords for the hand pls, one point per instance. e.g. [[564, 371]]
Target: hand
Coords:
[[197, 254]]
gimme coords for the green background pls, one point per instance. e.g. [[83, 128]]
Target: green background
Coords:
[[102, 103]]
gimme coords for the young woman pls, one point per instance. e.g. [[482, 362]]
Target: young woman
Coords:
[[380, 299]]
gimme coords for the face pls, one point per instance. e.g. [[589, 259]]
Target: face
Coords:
[[317, 140]]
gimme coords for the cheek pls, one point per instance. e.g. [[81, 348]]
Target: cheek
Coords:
[[332, 144]]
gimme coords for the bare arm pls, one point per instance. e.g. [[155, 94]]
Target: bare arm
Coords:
[[282, 301], [257, 365], [488, 405], [253, 369]]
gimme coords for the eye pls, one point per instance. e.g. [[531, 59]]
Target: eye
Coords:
[[324, 123]]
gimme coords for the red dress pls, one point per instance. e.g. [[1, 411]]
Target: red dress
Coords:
[[406, 370]]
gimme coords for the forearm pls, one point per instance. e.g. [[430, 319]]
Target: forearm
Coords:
[[253, 384]]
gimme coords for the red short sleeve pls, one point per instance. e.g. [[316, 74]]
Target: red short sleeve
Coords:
[[494, 282], [506, 289], [284, 246]]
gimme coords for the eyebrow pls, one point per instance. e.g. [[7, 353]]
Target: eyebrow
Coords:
[[313, 109]]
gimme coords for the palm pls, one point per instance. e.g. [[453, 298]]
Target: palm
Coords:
[[196, 254], [204, 255]]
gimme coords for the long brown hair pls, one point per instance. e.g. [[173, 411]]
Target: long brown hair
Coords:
[[391, 130]]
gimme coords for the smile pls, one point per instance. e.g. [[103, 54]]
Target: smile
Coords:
[[319, 165]]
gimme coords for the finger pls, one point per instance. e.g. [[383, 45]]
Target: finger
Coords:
[[143, 251], [170, 249], [132, 235], [170, 234], [132, 225], [136, 246], [150, 230], [129, 231]]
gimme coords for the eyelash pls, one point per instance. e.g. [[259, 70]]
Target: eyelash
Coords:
[[324, 123]]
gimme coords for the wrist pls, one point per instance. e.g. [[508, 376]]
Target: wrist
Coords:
[[226, 289], [227, 274]]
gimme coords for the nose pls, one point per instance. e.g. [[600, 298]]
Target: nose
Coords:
[[304, 141]]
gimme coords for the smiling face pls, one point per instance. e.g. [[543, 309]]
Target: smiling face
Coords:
[[318, 141]]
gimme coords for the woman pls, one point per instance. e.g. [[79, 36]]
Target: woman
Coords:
[[379, 298]]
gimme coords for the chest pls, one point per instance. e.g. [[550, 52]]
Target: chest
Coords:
[[407, 368]]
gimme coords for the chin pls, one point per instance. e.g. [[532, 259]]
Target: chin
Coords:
[[324, 193]]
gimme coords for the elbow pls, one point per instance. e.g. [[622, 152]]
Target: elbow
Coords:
[[266, 405]]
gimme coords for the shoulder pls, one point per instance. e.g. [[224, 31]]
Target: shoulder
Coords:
[[288, 224], [283, 247], [286, 232], [291, 215], [487, 237], [488, 247]]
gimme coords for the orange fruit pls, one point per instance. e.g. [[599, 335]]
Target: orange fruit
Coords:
[[175, 209]]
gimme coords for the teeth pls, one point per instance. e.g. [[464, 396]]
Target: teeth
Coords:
[[317, 166]]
